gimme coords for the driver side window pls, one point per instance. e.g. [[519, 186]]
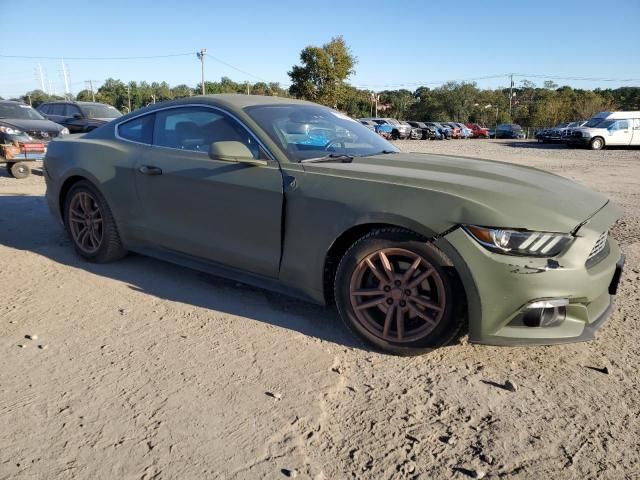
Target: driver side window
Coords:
[[196, 128]]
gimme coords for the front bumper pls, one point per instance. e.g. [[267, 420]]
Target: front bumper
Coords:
[[505, 284]]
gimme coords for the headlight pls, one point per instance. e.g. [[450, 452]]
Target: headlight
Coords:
[[10, 131], [64, 131], [519, 242]]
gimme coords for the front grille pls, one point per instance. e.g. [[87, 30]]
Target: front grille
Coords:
[[599, 250], [42, 134]]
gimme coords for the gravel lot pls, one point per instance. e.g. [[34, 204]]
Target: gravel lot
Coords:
[[145, 370]]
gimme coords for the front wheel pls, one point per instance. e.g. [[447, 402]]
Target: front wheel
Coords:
[[597, 144], [398, 293]]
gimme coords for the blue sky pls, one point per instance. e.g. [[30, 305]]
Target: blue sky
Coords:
[[415, 43]]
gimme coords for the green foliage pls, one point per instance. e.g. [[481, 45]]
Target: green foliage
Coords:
[[36, 97], [323, 72]]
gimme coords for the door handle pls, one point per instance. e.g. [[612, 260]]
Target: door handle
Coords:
[[149, 170]]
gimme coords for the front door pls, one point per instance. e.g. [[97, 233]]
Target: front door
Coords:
[[620, 133], [225, 212]]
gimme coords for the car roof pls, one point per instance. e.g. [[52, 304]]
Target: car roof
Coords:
[[616, 115], [74, 102], [229, 101]]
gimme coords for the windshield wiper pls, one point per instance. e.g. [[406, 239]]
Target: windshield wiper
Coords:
[[332, 157], [383, 152]]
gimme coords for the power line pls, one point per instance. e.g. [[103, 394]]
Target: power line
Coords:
[[235, 68], [142, 57], [501, 75]]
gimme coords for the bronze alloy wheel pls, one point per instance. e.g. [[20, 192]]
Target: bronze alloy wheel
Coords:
[[85, 222], [397, 295]]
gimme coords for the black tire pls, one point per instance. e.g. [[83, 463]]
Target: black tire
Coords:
[[453, 300], [395, 135], [110, 247], [18, 169], [597, 143]]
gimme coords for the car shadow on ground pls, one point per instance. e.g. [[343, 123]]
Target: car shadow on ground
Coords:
[[26, 224], [536, 145]]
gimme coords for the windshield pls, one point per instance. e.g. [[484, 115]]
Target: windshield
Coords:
[[304, 132], [100, 111], [607, 123], [18, 110], [594, 122]]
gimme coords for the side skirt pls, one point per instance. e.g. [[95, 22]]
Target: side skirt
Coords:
[[222, 271]]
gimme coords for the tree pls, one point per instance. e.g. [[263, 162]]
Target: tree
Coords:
[[36, 97], [84, 96], [323, 72]]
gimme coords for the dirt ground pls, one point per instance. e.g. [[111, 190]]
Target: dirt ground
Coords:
[[145, 370]]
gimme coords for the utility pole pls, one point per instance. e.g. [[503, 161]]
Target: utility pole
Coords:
[[248, 93], [41, 77], [129, 97], [93, 95], [200, 56], [65, 75], [510, 94]]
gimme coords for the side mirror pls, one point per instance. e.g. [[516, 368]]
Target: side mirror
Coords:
[[236, 152], [77, 115]]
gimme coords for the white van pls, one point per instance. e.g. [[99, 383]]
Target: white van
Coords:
[[607, 129]]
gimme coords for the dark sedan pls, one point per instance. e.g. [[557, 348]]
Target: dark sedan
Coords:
[[79, 117], [24, 134]]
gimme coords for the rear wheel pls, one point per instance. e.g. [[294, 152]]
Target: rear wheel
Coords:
[[91, 225], [398, 293], [597, 143], [18, 169]]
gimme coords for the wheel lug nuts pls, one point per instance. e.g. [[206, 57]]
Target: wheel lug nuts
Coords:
[[397, 283], [407, 292], [389, 301], [403, 303], [387, 288]]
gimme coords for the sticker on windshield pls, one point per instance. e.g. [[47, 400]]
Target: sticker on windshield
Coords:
[[342, 116]]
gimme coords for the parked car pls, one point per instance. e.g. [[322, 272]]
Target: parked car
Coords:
[[383, 129], [79, 117], [455, 130], [509, 130], [478, 131], [443, 131], [428, 132], [398, 130], [24, 135], [416, 133], [192, 180], [557, 133], [607, 129], [568, 131], [465, 132]]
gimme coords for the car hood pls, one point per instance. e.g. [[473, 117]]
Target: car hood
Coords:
[[28, 124], [486, 192]]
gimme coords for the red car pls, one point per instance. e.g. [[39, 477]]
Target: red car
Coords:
[[477, 131]]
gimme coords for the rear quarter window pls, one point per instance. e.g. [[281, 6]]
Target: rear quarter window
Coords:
[[138, 130]]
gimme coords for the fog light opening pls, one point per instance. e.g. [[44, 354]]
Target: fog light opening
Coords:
[[542, 313], [544, 317]]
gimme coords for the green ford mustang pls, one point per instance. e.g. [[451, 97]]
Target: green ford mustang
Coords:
[[299, 198]]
